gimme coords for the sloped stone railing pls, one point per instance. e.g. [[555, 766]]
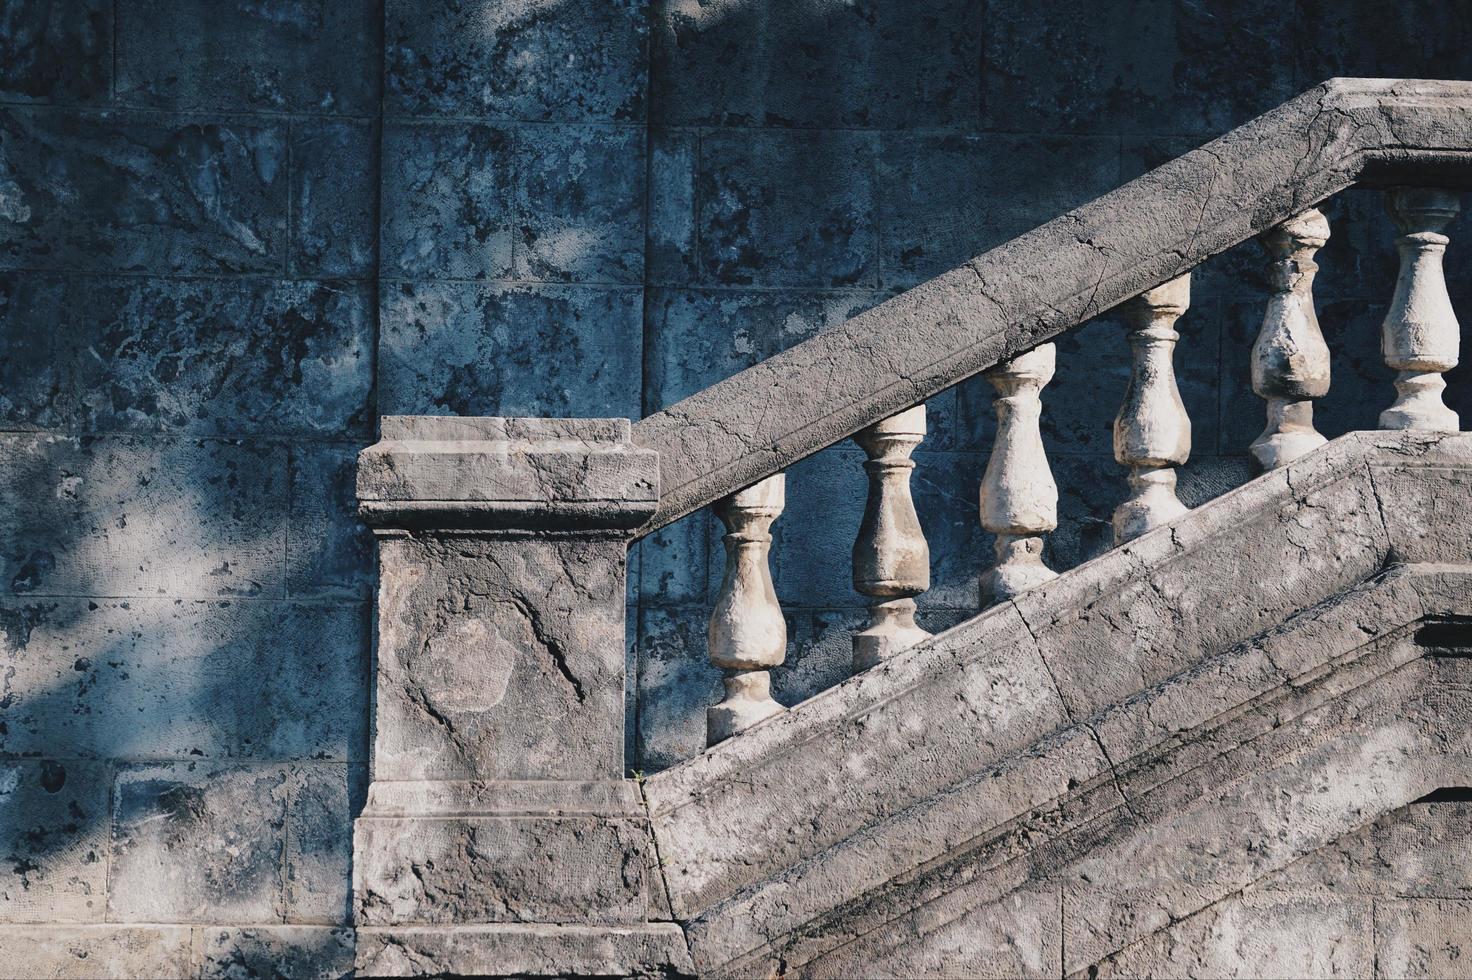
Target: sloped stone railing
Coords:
[[868, 377], [503, 543]]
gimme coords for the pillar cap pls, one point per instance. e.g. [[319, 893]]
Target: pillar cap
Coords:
[[448, 472]]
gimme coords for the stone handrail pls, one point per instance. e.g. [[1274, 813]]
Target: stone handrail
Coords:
[[1012, 298]]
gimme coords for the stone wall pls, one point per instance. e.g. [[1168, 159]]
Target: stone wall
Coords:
[[234, 233]]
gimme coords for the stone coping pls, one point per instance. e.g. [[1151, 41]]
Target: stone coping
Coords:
[[538, 474]]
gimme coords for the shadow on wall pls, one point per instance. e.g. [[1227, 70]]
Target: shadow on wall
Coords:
[[169, 759]]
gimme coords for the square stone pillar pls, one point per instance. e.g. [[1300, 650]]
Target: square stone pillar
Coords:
[[499, 835]]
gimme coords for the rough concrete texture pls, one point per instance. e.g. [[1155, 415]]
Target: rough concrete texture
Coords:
[[831, 871]]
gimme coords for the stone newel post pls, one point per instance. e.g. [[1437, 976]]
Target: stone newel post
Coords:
[[499, 834]]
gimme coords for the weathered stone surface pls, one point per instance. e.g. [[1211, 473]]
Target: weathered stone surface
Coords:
[[1414, 851], [53, 838], [476, 869], [166, 679], [196, 54], [319, 846], [518, 60], [945, 199], [34, 392], [53, 51], [329, 552], [194, 842], [203, 356], [580, 204], [825, 64], [286, 952], [139, 192], [85, 952], [765, 217], [1423, 938], [1261, 936], [685, 355], [467, 349], [1017, 937], [118, 517], [657, 949], [334, 186], [446, 201], [1161, 67]]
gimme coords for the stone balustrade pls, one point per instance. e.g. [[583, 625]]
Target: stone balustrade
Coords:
[[1290, 369]]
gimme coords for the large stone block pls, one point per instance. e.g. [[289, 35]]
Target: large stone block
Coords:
[[194, 842], [210, 356], [446, 201], [54, 838], [86, 952], [285, 952], [516, 60], [510, 683], [580, 204], [1380, 39], [1169, 619], [56, 51], [169, 679], [1423, 938], [502, 868], [946, 199], [334, 192], [1150, 66], [787, 209], [307, 56], [124, 516], [34, 390], [139, 192], [319, 842], [1413, 851], [329, 552], [824, 64], [469, 349], [686, 355]]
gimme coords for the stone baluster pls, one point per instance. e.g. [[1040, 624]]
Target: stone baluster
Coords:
[[1152, 432], [891, 558], [1290, 361], [748, 635], [1019, 500], [1420, 337]]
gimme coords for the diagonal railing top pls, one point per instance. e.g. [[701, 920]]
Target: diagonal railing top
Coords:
[[1018, 295]]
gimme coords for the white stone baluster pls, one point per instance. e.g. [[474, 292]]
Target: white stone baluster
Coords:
[[891, 558], [1290, 361], [748, 635], [1019, 500], [1152, 433], [1420, 337]]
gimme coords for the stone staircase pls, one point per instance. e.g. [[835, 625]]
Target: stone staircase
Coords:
[[1131, 767]]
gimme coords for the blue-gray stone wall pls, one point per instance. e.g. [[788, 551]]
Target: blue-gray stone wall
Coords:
[[233, 233]]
